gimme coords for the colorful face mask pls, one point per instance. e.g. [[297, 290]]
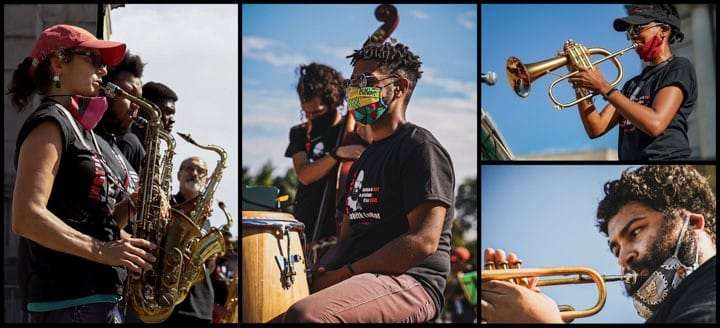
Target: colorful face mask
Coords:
[[366, 103], [88, 110]]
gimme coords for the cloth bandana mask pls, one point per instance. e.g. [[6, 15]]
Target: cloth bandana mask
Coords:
[[367, 104]]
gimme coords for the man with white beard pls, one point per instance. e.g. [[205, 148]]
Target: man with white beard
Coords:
[[198, 305]]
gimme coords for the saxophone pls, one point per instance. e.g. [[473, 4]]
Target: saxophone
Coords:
[[153, 294], [231, 303], [198, 248]]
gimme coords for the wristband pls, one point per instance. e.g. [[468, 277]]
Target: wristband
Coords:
[[607, 95]]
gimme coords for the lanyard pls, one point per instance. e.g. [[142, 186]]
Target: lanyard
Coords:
[[108, 172]]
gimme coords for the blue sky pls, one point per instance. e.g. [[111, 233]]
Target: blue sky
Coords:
[[537, 32], [546, 215], [278, 38]]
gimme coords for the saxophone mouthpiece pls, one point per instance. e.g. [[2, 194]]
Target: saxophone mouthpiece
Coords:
[[111, 90], [141, 122]]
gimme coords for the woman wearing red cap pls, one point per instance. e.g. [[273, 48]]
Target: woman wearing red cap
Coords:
[[70, 200]]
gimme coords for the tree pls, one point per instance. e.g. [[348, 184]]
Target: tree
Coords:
[[287, 184]]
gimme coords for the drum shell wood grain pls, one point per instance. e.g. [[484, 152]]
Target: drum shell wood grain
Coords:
[[264, 297]]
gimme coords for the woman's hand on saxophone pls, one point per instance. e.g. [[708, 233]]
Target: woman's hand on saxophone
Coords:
[[127, 252]]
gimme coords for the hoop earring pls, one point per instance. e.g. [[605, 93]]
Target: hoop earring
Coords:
[[56, 81]]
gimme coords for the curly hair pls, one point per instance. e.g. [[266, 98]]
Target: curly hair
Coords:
[[664, 188], [318, 80], [394, 58]]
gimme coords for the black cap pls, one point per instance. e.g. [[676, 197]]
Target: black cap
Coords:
[[643, 14]]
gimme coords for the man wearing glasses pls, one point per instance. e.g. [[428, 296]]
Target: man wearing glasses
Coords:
[[393, 254], [653, 108], [198, 305]]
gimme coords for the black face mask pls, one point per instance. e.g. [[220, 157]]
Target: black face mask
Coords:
[[323, 122]]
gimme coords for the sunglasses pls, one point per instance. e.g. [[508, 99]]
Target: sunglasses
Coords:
[[635, 30], [364, 80], [95, 58]]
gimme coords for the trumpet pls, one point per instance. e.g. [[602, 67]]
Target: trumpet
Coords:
[[575, 56], [582, 275]]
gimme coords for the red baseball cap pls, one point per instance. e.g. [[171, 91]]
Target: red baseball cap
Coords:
[[59, 37]]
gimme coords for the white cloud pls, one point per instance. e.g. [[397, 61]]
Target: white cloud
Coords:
[[467, 89], [271, 51], [337, 52], [420, 15], [468, 19]]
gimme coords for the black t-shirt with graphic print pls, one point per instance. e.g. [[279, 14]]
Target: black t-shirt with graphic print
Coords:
[[308, 197], [83, 198], [634, 144], [392, 177]]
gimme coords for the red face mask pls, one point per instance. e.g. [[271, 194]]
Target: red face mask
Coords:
[[649, 51]]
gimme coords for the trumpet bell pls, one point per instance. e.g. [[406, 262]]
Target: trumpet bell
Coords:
[[520, 76]]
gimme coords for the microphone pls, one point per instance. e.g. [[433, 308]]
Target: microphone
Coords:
[[488, 78]]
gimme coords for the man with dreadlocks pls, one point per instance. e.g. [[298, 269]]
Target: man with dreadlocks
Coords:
[[313, 146], [393, 257]]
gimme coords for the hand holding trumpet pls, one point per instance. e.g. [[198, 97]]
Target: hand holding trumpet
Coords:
[[505, 302], [592, 80]]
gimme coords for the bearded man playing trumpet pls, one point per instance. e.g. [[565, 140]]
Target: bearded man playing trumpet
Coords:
[[660, 224]]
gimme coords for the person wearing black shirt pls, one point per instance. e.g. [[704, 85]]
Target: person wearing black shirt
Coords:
[[393, 257], [121, 113], [71, 197], [660, 224], [197, 307], [652, 109], [313, 147]]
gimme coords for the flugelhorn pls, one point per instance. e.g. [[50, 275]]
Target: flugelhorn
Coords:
[[582, 275], [575, 56]]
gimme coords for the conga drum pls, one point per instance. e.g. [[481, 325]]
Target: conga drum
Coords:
[[273, 264]]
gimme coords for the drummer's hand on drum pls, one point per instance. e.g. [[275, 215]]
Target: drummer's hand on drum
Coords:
[[505, 302], [131, 253]]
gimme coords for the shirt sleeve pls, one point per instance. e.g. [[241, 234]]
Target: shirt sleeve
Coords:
[[682, 76], [427, 175], [35, 119], [297, 142]]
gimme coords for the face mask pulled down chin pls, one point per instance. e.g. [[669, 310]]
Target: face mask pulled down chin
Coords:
[[648, 298], [649, 51], [366, 104], [88, 110]]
